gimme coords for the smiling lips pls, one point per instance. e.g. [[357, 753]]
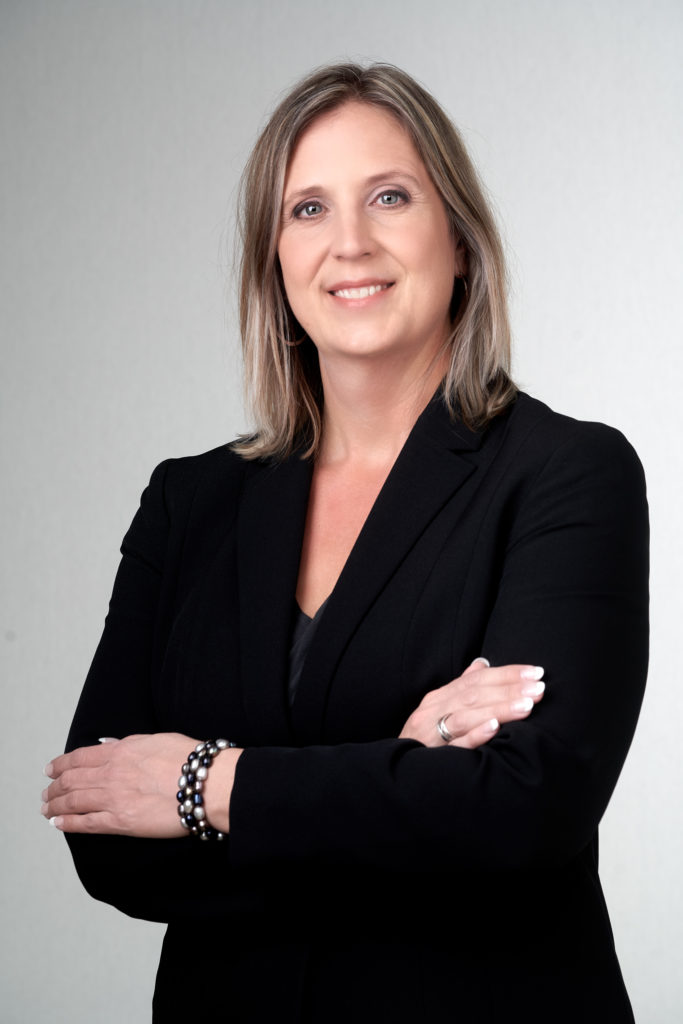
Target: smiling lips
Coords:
[[361, 291]]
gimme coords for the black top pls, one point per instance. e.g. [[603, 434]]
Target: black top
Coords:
[[302, 636]]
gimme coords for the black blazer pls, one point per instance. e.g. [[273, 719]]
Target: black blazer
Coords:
[[368, 878]]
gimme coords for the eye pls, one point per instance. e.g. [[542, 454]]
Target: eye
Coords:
[[304, 211], [392, 197]]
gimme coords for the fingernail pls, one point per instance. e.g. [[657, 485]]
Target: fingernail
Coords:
[[43, 795], [536, 672], [493, 725], [533, 689], [43, 808], [525, 704], [484, 661], [107, 739], [55, 821], [47, 770]]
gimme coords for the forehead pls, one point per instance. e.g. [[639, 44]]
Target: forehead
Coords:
[[357, 133]]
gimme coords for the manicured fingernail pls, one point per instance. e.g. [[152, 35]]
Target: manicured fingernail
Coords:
[[55, 821], [107, 739], [533, 689], [493, 725], [43, 795], [43, 808], [536, 672], [525, 704], [47, 770], [484, 661]]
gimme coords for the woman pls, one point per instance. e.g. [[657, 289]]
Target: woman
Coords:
[[408, 831]]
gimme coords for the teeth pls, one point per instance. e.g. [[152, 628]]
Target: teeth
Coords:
[[360, 293]]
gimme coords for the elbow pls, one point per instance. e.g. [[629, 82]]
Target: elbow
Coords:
[[537, 837], [110, 875], [539, 813]]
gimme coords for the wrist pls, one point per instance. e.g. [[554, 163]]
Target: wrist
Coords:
[[218, 789], [204, 789]]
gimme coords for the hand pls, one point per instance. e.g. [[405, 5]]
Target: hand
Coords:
[[128, 787], [475, 704]]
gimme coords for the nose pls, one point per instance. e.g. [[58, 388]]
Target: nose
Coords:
[[352, 235]]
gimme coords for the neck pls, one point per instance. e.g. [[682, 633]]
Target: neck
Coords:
[[370, 410]]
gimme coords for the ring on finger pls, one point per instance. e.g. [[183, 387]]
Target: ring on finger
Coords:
[[443, 730]]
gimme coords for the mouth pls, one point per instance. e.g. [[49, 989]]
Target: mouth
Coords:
[[359, 291]]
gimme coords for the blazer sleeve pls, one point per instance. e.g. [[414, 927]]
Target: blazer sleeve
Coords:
[[573, 597], [141, 877]]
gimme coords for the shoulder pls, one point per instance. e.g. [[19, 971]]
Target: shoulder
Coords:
[[556, 473], [184, 473], [542, 440], [176, 483]]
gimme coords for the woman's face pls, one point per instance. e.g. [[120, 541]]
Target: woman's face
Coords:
[[367, 254]]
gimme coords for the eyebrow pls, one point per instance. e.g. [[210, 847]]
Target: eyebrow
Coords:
[[374, 179]]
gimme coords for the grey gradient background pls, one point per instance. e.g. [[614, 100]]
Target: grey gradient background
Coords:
[[123, 129]]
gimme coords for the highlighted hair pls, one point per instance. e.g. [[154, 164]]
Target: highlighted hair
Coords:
[[282, 375]]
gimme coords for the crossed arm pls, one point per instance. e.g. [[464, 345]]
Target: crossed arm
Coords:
[[127, 786], [573, 591]]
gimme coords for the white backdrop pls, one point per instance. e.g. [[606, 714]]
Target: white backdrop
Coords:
[[124, 126]]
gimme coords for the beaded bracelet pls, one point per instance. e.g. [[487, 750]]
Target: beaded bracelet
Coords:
[[191, 782]]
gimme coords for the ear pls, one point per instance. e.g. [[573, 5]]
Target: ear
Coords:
[[460, 258]]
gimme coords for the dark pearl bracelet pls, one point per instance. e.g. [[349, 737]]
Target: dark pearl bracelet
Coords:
[[190, 785]]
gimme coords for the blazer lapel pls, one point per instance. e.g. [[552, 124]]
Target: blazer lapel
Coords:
[[270, 529], [431, 467]]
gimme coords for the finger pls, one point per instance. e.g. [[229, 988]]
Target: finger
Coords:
[[477, 683], [507, 673], [535, 690], [83, 801], [107, 823], [466, 722], [85, 756], [505, 711], [486, 694], [524, 672], [478, 736], [73, 779], [468, 688], [82, 757], [99, 822]]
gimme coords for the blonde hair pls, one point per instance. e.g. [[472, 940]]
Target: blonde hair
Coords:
[[282, 376]]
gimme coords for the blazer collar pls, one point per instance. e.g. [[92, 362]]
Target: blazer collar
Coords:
[[270, 529], [437, 458]]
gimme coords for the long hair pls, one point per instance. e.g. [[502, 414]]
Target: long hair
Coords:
[[282, 375]]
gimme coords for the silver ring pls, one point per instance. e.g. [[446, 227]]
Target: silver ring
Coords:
[[442, 729]]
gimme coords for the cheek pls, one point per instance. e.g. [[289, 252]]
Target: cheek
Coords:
[[297, 266], [438, 258], [439, 267], [294, 279], [287, 264], [434, 247], [450, 269]]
